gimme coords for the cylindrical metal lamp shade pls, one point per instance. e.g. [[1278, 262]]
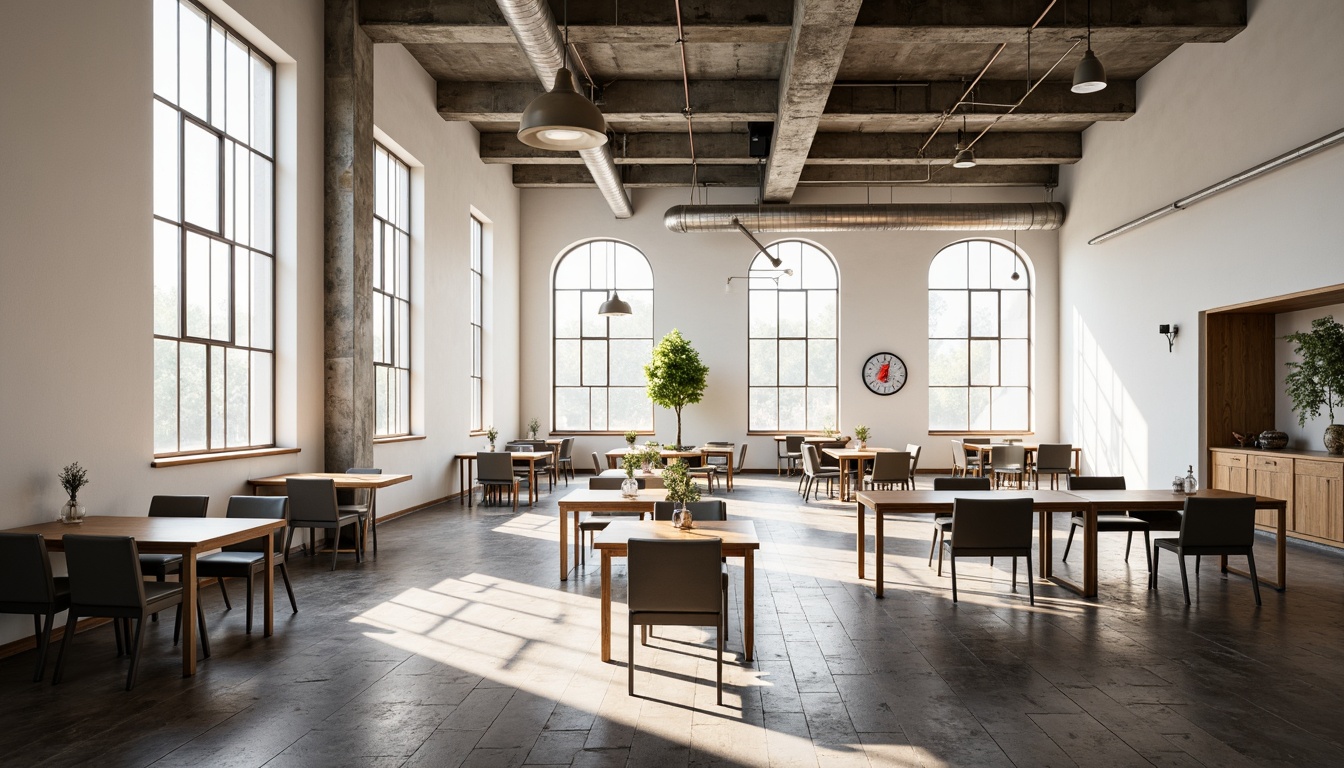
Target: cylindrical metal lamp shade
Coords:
[[562, 120], [965, 159], [614, 307], [1090, 76]]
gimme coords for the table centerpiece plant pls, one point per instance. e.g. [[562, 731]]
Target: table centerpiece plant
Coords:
[[681, 488], [492, 435], [533, 427], [630, 437], [862, 433], [650, 457], [73, 477], [1317, 382], [631, 462]]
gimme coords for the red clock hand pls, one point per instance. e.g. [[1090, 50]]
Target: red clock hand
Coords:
[[882, 372]]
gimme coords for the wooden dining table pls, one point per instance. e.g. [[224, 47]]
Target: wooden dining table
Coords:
[[739, 540], [615, 455], [343, 481], [466, 463], [651, 480], [589, 500], [848, 456], [982, 451], [185, 536]]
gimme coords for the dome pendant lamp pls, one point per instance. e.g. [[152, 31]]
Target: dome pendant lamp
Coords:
[[562, 119], [964, 158], [1090, 76], [614, 307]]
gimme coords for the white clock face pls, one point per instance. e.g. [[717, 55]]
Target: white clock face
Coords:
[[884, 373]]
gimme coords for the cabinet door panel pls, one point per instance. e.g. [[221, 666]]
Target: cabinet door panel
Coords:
[[1319, 507]]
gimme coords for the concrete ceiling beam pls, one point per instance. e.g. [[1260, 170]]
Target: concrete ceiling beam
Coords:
[[647, 176]]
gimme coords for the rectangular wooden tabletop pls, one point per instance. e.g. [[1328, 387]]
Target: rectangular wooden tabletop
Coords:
[[737, 535], [159, 534], [856, 453], [342, 479], [589, 500], [941, 501], [1164, 500]]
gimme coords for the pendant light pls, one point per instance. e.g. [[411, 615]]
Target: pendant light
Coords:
[[613, 306], [563, 119], [965, 158], [1090, 76]]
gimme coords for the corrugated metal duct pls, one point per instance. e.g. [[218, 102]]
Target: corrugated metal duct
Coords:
[[534, 27], [865, 218]]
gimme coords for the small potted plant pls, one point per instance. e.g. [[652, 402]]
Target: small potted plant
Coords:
[[533, 427], [681, 488], [630, 437], [650, 457], [862, 433], [73, 477], [492, 434], [630, 486], [829, 432], [1317, 382]]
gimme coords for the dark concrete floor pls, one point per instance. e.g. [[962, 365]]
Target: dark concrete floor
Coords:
[[459, 646]]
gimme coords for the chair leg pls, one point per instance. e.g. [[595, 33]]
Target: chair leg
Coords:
[[1152, 569], [177, 626], [121, 645], [250, 585], [228, 606], [336, 547], [43, 644], [718, 656], [135, 652], [936, 530], [953, 558], [1255, 580], [1014, 573], [1147, 550], [289, 539], [1031, 583], [630, 660], [1069, 542], [942, 537], [1197, 563], [1129, 539], [161, 578], [289, 588], [201, 630], [1185, 583], [70, 622]]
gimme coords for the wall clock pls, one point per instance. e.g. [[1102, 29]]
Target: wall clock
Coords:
[[884, 373]]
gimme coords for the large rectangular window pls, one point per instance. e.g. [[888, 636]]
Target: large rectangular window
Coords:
[[391, 294], [214, 236], [477, 324]]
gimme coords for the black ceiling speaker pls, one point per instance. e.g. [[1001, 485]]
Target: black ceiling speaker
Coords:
[[759, 134]]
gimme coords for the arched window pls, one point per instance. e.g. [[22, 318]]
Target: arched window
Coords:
[[793, 340], [599, 361], [980, 324]]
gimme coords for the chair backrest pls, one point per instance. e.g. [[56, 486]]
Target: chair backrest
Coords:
[[497, 465], [962, 484], [104, 570], [566, 448], [793, 443], [709, 509], [914, 451], [741, 458], [361, 493], [597, 464], [991, 524], [178, 506], [611, 483], [1007, 456], [958, 455], [974, 441], [1054, 456], [25, 569], [890, 466], [312, 499], [675, 576], [810, 461], [517, 446], [1097, 483], [258, 508], [1218, 522], [825, 460]]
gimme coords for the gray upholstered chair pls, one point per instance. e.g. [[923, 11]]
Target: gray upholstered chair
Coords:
[[312, 505], [973, 457], [959, 459], [364, 504], [813, 473], [565, 461], [159, 566], [712, 466], [1008, 461], [597, 464], [675, 582], [543, 467], [942, 524], [991, 528], [792, 454], [1111, 523], [246, 560], [1053, 459], [494, 471], [890, 468], [27, 586], [612, 483], [914, 451], [1212, 527], [105, 582]]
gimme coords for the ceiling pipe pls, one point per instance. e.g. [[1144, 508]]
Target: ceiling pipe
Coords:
[[865, 218], [535, 29]]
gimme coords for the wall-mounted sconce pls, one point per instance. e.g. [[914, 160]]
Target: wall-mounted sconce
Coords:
[[1170, 332], [728, 286]]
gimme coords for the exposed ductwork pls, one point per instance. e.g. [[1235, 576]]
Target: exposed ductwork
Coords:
[[857, 218], [534, 27]]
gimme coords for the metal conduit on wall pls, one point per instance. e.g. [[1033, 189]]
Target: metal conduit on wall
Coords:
[[535, 29], [856, 218]]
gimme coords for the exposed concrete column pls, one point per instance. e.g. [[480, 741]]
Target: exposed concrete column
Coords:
[[348, 239]]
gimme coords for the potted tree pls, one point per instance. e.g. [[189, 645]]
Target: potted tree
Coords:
[[1317, 382], [676, 376], [681, 488]]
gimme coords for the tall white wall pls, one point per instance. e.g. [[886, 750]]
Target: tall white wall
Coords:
[[76, 271], [883, 307], [1205, 113]]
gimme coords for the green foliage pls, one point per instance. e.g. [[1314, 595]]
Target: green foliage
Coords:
[[533, 427], [631, 436], [491, 434], [73, 477], [862, 433], [680, 486], [1317, 382], [651, 455], [631, 462], [675, 374], [829, 431]]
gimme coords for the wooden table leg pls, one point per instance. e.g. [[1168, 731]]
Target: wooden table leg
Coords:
[[578, 538], [877, 549], [860, 535], [606, 605], [749, 604], [1047, 537], [1090, 554], [730, 471], [844, 479], [531, 483], [188, 576], [1280, 581], [462, 482], [564, 541], [268, 579]]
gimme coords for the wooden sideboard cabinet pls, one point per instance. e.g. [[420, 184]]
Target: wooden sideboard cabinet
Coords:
[[1312, 482]]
